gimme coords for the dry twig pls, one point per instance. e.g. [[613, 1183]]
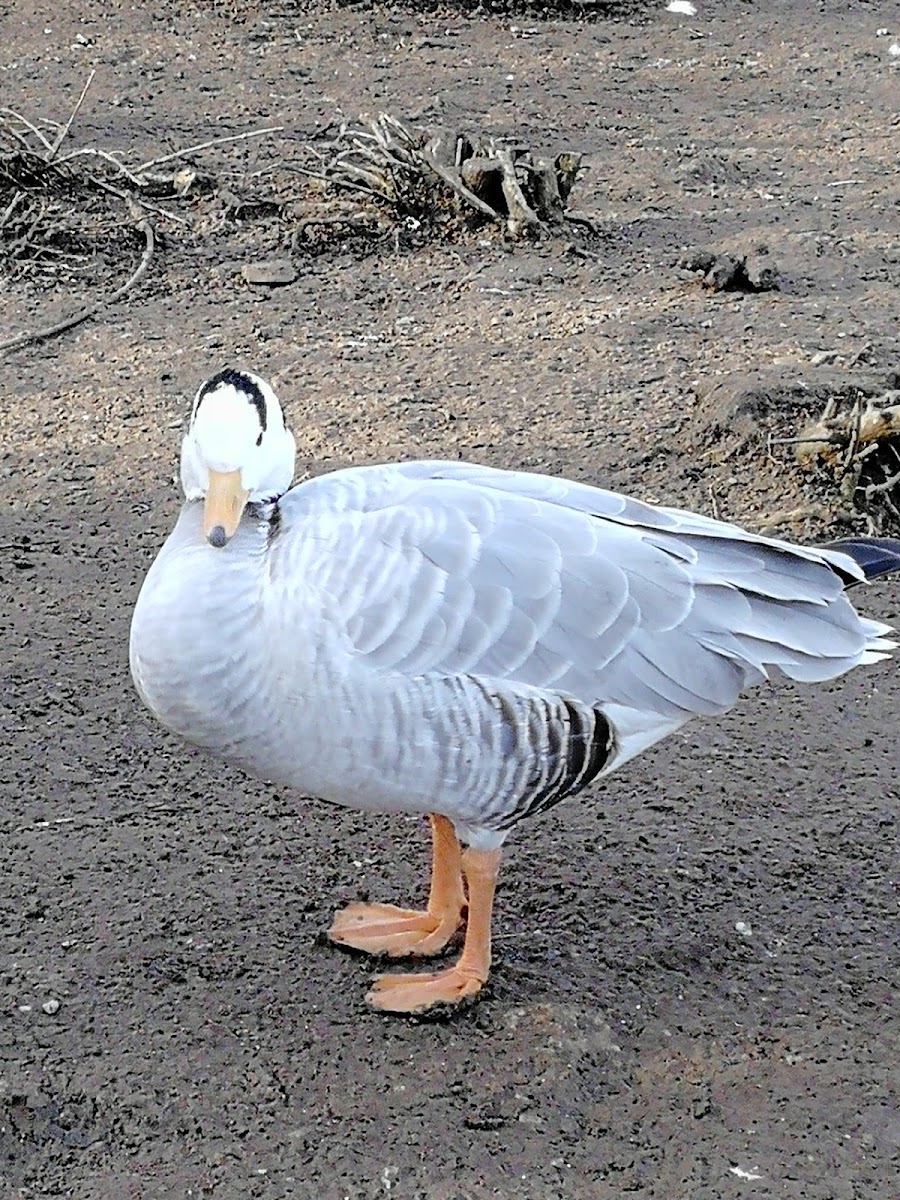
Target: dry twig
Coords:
[[38, 335], [61, 136], [106, 156], [30, 126], [859, 442], [196, 149], [39, 163]]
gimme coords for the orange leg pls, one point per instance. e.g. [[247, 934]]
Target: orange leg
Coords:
[[386, 929], [416, 993]]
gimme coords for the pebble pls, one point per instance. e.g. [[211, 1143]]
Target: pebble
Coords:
[[50, 1007], [276, 273]]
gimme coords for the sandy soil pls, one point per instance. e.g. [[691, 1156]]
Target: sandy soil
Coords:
[[696, 992]]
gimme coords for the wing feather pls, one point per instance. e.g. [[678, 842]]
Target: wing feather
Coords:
[[464, 570]]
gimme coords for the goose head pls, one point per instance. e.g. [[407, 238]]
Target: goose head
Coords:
[[237, 451]]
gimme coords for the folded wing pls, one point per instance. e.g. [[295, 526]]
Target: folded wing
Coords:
[[651, 614]]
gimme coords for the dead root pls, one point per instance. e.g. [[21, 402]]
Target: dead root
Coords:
[[55, 211], [142, 223], [443, 177], [858, 442]]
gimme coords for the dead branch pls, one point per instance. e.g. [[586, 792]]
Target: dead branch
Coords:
[[804, 441], [32, 128], [855, 434], [456, 184], [345, 183], [145, 203], [61, 136], [876, 489], [8, 211], [867, 420], [428, 175], [38, 335], [94, 152], [521, 214], [358, 219], [859, 442], [200, 146]]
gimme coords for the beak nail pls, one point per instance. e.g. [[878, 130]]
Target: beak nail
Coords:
[[217, 536]]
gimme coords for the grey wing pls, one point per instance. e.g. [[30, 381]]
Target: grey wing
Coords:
[[444, 575], [523, 581]]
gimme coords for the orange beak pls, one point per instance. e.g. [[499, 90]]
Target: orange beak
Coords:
[[222, 508]]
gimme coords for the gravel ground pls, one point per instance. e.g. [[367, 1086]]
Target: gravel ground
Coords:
[[696, 989]]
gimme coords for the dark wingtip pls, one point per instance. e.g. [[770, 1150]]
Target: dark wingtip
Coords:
[[874, 556]]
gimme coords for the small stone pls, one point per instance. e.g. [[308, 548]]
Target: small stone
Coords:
[[743, 929], [50, 1007], [725, 273], [277, 272], [760, 271], [697, 260]]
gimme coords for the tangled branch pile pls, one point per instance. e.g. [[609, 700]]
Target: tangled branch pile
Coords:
[[59, 225], [55, 215], [51, 215], [443, 176], [36, 198], [859, 442]]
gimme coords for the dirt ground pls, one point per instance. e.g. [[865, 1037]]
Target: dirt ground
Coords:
[[697, 977]]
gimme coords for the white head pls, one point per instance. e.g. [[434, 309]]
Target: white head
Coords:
[[237, 450]]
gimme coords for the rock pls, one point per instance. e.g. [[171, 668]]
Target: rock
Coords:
[[725, 274], [50, 1007], [276, 272], [760, 271], [825, 357], [733, 270], [697, 260]]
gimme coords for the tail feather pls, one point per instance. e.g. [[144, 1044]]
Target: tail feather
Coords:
[[873, 556]]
